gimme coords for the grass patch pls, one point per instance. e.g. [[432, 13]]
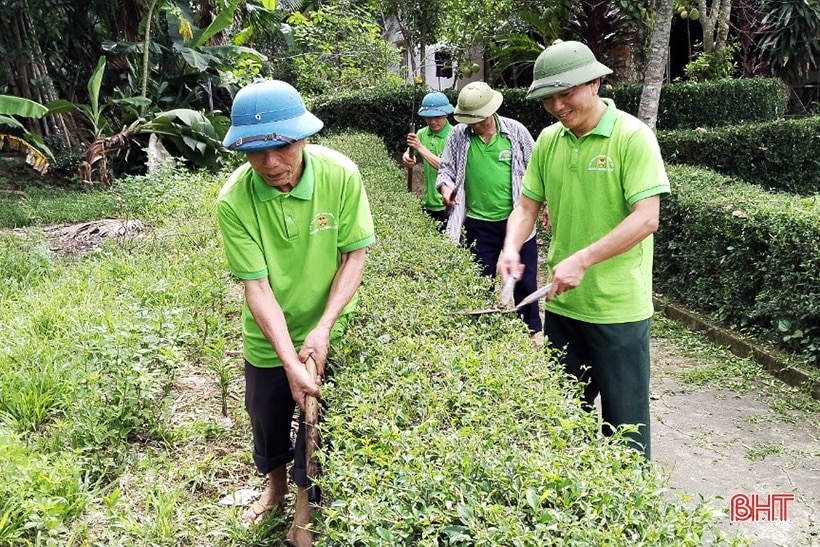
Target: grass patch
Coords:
[[718, 366]]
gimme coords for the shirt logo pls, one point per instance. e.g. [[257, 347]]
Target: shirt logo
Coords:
[[323, 221], [505, 155], [601, 163]]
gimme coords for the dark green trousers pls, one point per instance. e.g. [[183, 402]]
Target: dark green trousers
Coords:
[[612, 361]]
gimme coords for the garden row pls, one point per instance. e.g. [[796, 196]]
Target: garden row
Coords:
[[444, 429], [441, 429], [388, 111], [747, 256]]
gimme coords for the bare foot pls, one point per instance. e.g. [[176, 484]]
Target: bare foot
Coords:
[[263, 505]]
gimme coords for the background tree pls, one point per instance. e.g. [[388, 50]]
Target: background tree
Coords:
[[613, 30], [418, 22], [656, 66], [340, 48], [789, 40], [714, 19]]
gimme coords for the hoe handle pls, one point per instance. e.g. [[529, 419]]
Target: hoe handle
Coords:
[[311, 435]]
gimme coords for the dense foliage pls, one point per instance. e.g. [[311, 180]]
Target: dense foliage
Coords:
[[456, 431], [442, 428], [386, 111], [777, 155], [749, 257]]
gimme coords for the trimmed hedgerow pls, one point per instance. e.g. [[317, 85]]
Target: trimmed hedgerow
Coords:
[[748, 257], [777, 155], [444, 429], [388, 111]]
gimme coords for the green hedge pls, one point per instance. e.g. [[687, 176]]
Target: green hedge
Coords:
[[688, 105], [778, 155], [748, 257], [386, 111], [452, 430]]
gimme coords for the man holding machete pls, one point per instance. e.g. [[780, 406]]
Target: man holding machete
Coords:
[[295, 222], [601, 175]]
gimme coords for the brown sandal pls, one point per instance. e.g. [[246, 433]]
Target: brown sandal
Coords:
[[259, 512]]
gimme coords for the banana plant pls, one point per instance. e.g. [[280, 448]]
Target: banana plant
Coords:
[[195, 136], [37, 153]]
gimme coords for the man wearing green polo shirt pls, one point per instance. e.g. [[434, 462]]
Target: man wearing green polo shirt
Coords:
[[601, 175], [295, 222], [479, 178], [428, 143]]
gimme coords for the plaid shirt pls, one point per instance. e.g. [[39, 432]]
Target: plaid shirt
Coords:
[[454, 165]]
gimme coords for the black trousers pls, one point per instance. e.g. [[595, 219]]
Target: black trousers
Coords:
[[486, 239], [270, 405]]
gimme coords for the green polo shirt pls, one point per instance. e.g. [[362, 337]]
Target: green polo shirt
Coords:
[[590, 184], [294, 239], [434, 142], [487, 178]]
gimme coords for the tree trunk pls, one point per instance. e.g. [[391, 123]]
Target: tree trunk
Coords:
[[656, 66], [27, 68], [714, 20]]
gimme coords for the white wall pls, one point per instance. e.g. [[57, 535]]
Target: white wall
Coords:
[[438, 83]]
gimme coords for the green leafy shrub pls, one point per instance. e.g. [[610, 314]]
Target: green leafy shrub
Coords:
[[777, 155], [748, 257], [712, 65]]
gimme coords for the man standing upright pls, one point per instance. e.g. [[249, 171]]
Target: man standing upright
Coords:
[[428, 143], [600, 173], [480, 175], [296, 223]]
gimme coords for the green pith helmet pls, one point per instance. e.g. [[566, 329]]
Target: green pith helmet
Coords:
[[562, 66], [477, 102]]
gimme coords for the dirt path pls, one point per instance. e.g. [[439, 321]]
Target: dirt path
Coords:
[[717, 442]]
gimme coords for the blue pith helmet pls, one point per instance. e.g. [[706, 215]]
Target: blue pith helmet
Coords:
[[266, 114], [435, 104]]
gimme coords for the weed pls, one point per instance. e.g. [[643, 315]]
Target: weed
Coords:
[[761, 450]]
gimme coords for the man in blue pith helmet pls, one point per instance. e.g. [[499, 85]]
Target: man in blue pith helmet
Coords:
[[295, 222], [428, 143]]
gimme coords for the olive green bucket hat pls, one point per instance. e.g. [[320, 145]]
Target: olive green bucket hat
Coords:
[[564, 65], [477, 102]]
